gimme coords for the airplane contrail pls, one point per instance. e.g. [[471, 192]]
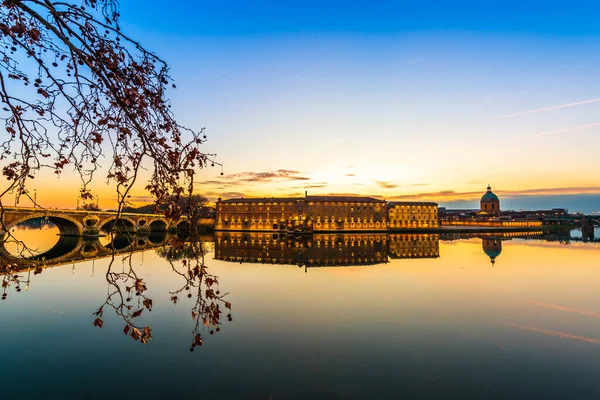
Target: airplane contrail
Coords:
[[572, 128], [567, 309], [549, 108], [557, 334]]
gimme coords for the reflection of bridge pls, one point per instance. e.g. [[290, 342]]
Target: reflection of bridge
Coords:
[[72, 249], [90, 223]]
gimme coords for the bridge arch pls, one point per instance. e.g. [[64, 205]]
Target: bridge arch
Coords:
[[66, 224], [158, 225], [121, 224]]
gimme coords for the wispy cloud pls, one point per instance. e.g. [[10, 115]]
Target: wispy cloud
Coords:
[[579, 103], [557, 334], [451, 195], [572, 128], [257, 177], [350, 175], [489, 97], [224, 195], [567, 309], [311, 186], [386, 185]]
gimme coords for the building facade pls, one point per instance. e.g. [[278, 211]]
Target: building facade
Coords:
[[412, 215], [305, 214], [333, 213], [273, 214]]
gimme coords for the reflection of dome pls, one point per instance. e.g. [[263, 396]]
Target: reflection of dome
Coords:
[[492, 247]]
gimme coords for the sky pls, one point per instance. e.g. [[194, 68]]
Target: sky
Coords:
[[427, 100]]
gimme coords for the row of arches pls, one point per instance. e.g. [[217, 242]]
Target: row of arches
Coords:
[[70, 225]]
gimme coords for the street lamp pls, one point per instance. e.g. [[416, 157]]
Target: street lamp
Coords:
[[34, 198]]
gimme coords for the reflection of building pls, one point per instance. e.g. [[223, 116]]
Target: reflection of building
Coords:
[[317, 250], [347, 249], [412, 215], [310, 213], [492, 247], [414, 246], [490, 203]]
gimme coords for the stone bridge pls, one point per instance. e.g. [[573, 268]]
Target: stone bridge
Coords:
[[92, 223]]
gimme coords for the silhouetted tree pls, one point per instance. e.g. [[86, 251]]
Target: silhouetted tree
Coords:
[[90, 207], [74, 88], [73, 84]]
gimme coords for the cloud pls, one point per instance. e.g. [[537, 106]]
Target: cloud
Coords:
[[572, 128], [549, 108], [224, 195], [210, 183], [284, 174], [317, 185], [488, 98], [257, 177], [386, 185], [451, 195], [350, 175]]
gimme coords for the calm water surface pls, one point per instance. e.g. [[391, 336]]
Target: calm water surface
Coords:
[[403, 317]]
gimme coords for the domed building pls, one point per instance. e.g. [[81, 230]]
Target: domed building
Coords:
[[490, 203], [492, 247]]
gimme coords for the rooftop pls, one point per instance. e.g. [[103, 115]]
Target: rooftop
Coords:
[[418, 203], [355, 199], [259, 199]]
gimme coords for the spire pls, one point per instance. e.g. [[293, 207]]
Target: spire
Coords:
[[489, 189]]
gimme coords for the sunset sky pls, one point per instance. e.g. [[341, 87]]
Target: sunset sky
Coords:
[[426, 100]]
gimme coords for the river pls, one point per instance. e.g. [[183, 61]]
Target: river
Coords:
[[325, 317]]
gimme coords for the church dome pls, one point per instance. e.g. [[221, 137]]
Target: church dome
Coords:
[[489, 195]]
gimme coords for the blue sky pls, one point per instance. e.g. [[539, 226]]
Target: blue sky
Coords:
[[386, 98]]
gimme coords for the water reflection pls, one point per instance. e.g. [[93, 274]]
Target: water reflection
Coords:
[[126, 290], [430, 318], [186, 256]]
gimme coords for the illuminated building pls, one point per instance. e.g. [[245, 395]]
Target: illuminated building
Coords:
[[412, 215], [332, 213], [305, 214], [271, 214], [490, 203]]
